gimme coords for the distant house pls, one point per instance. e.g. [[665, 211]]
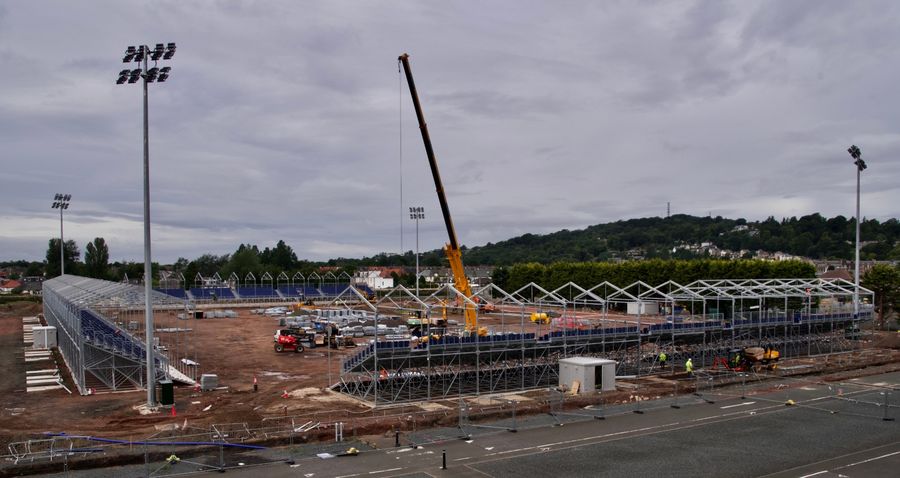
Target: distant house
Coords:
[[9, 285], [377, 277], [837, 274], [477, 275]]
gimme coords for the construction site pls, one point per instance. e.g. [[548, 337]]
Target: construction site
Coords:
[[243, 364]]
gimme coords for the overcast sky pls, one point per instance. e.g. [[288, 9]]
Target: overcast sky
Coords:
[[288, 120]]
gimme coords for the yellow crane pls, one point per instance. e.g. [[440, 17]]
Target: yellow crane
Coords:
[[451, 249]]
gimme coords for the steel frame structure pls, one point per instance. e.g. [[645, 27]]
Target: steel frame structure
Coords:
[[701, 320], [92, 319]]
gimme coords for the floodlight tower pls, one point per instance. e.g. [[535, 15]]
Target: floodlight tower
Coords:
[[141, 55], [61, 202], [856, 154], [417, 213]]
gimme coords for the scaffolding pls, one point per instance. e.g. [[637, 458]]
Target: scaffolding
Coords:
[[100, 328], [632, 325]]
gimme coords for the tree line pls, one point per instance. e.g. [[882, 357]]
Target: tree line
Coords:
[[651, 271], [812, 236]]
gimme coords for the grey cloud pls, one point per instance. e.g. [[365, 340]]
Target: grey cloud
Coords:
[[281, 121]]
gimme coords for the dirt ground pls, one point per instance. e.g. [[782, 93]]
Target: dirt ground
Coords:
[[235, 349]]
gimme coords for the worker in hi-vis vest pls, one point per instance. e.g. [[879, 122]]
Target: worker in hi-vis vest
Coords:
[[662, 359], [689, 367]]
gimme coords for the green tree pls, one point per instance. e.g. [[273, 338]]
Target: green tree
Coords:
[[500, 277], [96, 259], [884, 281], [281, 256], [70, 252], [245, 260]]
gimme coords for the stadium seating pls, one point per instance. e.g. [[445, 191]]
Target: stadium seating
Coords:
[[263, 291], [201, 293], [178, 292]]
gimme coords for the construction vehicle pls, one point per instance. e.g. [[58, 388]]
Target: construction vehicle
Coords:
[[750, 358], [540, 318], [295, 339], [328, 334], [543, 317], [451, 249]]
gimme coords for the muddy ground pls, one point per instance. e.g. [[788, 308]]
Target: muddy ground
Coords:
[[237, 350]]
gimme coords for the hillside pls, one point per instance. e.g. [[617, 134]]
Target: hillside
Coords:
[[680, 237]]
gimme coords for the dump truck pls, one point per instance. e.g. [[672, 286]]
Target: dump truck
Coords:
[[750, 358]]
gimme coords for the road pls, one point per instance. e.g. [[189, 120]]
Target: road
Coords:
[[831, 430]]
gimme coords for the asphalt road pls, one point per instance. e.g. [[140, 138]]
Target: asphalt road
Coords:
[[832, 430]]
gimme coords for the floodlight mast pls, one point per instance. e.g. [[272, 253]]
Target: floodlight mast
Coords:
[[61, 202], [856, 154], [141, 54]]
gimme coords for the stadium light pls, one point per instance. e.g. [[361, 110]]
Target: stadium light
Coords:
[[856, 154], [142, 54], [61, 202], [417, 213]]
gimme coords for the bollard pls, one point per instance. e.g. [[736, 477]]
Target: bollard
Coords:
[[886, 418], [396, 438], [743, 386], [443, 459], [221, 459]]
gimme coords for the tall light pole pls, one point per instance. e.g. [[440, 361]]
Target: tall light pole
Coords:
[[61, 202], [856, 154], [141, 55], [417, 213]]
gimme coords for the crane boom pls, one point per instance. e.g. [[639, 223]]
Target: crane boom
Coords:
[[451, 249]]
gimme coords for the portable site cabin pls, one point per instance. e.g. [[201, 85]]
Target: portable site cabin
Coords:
[[590, 373]]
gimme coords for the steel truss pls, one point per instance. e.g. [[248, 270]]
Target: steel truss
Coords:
[[701, 320], [94, 335]]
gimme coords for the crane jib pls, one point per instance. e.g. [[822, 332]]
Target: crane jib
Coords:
[[429, 151]]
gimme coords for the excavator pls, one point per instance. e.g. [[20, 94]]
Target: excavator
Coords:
[[451, 249]]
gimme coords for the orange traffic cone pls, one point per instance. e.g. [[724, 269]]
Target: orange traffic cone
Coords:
[[173, 411], [285, 394]]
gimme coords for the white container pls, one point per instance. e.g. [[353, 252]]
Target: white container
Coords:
[[209, 381], [590, 373], [643, 308], [44, 337]]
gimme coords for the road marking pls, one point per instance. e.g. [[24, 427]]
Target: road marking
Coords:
[[384, 471], [814, 474], [737, 405], [404, 450], [347, 476], [870, 459], [463, 458]]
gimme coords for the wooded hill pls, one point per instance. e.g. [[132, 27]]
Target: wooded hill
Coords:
[[811, 236]]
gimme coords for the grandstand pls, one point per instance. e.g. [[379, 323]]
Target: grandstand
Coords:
[[92, 318], [702, 320]]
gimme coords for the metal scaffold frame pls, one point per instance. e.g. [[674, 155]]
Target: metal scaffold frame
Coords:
[[702, 320], [96, 323]]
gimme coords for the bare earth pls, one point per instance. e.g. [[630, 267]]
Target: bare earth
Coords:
[[237, 350]]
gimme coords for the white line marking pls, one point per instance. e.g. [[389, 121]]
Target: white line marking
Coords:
[[347, 476], [814, 474], [737, 405], [463, 458], [384, 471], [871, 459]]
